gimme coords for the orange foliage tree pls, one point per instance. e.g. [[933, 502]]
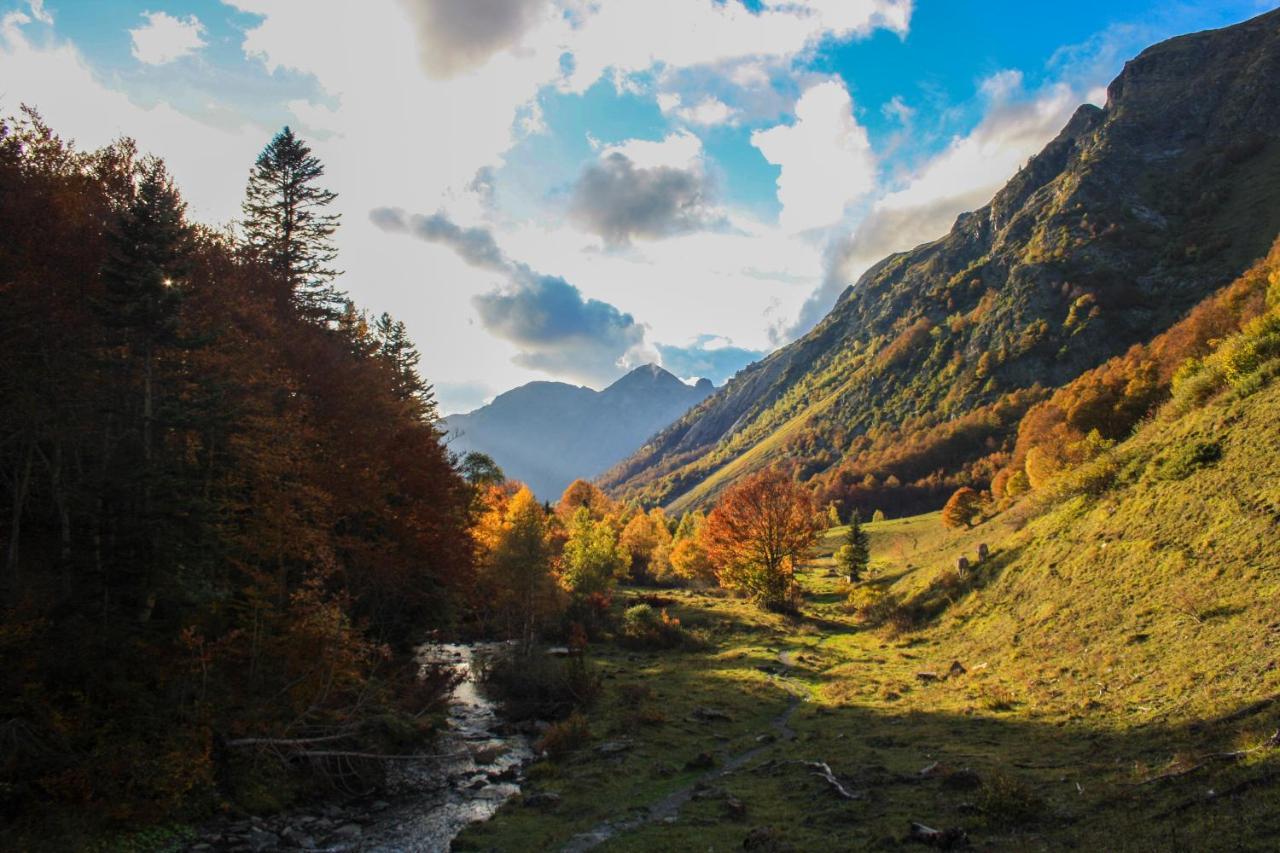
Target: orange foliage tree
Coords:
[[961, 508], [761, 528]]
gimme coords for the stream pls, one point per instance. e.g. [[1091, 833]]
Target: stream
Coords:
[[474, 766]]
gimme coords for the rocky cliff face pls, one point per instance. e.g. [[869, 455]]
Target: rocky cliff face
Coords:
[[546, 434], [1131, 215]]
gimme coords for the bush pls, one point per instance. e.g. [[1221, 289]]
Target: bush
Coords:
[[875, 607], [646, 628], [538, 686], [1008, 801], [564, 737], [1185, 460]]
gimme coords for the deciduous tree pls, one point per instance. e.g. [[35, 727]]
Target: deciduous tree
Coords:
[[761, 528]]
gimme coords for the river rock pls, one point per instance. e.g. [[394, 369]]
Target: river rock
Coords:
[[348, 832], [297, 838], [261, 839]]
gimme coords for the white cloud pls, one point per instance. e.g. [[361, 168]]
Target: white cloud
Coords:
[[962, 177], [707, 112], [679, 150], [164, 38], [209, 163], [634, 35], [898, 110], [972, 167], [825, 158]]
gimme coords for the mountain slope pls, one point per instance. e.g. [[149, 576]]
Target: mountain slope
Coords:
[[546, 434], [922, 370]]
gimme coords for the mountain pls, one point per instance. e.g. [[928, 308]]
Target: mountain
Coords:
[[546, 434], [917, 379]]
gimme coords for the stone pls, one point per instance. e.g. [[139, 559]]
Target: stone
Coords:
[[614, 747], [956, 669], [962, 780], [708, 715], [542, 800], [297, 838], [261, 839], [735, 807], [348, 832]]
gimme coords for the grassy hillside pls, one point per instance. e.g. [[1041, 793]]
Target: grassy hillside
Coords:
[[1108, 678], [915, 383]]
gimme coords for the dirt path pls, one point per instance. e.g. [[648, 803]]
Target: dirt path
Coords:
[[668, 808]]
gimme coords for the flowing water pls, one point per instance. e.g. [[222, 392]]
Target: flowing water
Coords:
[[475, 766]]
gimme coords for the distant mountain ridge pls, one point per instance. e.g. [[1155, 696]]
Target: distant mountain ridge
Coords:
[[546, 434], [921, 371]]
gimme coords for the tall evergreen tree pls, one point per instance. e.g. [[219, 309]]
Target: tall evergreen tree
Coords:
[[148, 252], [855, 554], [287, 229], [398, 350]]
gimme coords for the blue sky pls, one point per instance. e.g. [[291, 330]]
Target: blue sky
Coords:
[[684, 181]]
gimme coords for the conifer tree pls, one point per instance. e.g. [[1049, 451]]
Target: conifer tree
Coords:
[[148, 246], [855, 554], [287, 229], [399, 352]]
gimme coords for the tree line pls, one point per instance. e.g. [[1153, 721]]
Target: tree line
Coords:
[[226, 507]]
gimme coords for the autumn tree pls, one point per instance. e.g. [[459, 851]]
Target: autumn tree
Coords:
[[959, 511], [518, 563], [757, 533], [854, 555], [593, 561], [646, 541], [287, 227], [583, 494]]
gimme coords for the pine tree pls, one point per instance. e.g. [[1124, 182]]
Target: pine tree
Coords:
[[398, 350], [148, 251], [854, 556], [287, 230]]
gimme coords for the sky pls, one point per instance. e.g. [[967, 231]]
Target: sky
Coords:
[[567, 189]]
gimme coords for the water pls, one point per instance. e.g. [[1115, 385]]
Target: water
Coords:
[[475, 766]]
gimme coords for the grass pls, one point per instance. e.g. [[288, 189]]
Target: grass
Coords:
[[1101, 681]]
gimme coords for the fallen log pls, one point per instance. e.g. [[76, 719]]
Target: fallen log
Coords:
[[823, 770]]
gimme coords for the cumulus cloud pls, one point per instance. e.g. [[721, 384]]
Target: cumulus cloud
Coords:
[[707, 112], [825, 158], [456, 36], [474, 245], [164, 38], [560, 332], [635, 35], [619, 200], [555, 328], [708, 357], [962, 177]]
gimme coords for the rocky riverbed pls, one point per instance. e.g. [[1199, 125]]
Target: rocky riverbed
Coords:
[[471, 770]]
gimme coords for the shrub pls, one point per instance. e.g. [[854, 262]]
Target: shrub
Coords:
[[538, 686], [875, 607], [646, 628], [564, 737], [1185, 460], [1008, 801]]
